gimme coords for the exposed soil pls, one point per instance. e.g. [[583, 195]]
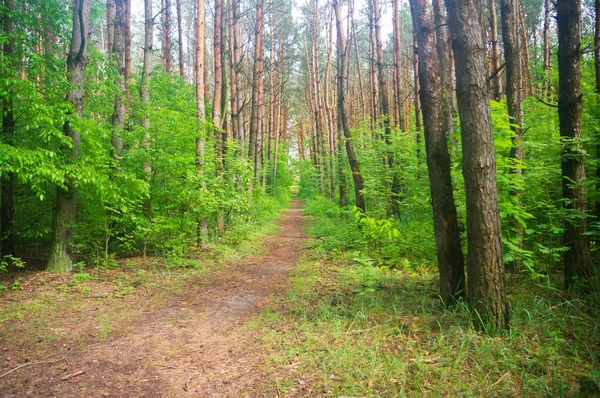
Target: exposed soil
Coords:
[[192, 342]]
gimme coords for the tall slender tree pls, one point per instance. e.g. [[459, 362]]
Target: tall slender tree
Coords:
[[445, 221], [485, 266], [494, 52], [444, 50], [145, 98], [570, 104], [342, 84], [201, 112], [256, 118], [180, 39], [118, 53], [61, 252]]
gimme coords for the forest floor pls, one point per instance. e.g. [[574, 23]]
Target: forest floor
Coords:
[[136, 333]]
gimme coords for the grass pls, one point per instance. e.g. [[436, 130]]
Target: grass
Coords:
[[351, 328], [394, 339]]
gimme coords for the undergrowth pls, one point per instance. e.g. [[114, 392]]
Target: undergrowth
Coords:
[[354, 324]]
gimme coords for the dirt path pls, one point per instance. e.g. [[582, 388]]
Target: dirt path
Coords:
[[195, 345]]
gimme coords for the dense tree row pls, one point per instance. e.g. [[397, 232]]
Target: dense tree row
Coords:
[[90, 169], [437, 75]]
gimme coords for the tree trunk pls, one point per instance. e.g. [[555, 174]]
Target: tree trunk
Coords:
[[180, 39], [447, 235], [495, 54], [166, 38], [237, 100], [514, 101], [577, 258], [218, 101], [7, 233], [399, 113], [61, 251], [527, 80], [548, 47], [444, 51], [485, 267], [118, 117], [127, 55], [342, 78], [416, 97], [372, 73], [145, 98], [200, 112], [257, 89], [110, 25]]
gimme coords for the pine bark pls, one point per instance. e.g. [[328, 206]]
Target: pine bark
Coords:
[[118, 117], [145, 98], [237, 100], [548, 49], [444, 51], [570, 104], [127, 55], [200, 111], [447, 235], [255, 149], [110, 25], [485, 267], [494, 53], [61, 251], [342, 80]]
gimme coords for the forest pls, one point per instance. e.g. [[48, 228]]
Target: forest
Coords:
[[420, 180]]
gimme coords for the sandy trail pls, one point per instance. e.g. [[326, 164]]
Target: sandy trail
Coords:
[[196, 344]]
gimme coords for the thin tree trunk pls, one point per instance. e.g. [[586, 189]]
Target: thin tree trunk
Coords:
[[447, 235], [548, 48], [393, 208], [570, 104], [166, 38], [416, 97], [218, 101], [110, 25], [329, 108], [399, 113], [257, 88], [118, 117], [444, 51], [180, 38], [145, 98], [342, 77], [485, 267], [495, 54], [200, 112], [127, 55], [372, 74], [237, 101], [514, 101], [527, 80], [61, 251]]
